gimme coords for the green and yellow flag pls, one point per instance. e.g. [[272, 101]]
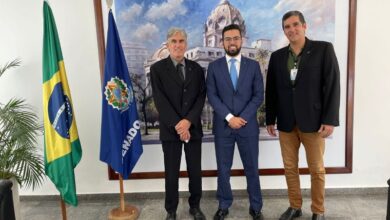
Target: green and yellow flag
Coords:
[[62, 144]]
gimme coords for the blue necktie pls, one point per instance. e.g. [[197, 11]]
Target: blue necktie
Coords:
[[233, 72]]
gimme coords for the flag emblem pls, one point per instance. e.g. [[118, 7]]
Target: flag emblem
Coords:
[[118, 94], [60, 111]]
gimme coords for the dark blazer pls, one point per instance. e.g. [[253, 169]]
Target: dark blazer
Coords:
[[175, 99], [314, 100], [243, 102]]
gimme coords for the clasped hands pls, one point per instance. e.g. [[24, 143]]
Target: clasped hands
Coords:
[[237, 122], [182, 129]]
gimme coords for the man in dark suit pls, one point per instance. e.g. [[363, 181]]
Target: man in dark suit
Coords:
[[235, 91], [303, 97], [179, 93]]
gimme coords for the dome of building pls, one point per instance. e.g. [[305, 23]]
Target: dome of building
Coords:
[[224, 14], [161, 53]]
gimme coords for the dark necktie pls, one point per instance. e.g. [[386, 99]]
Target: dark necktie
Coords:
[[179, 69]]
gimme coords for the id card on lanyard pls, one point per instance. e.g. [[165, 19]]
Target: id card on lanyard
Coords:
[[293, 73]]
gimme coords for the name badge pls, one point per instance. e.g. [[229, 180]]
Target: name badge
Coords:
[[293, 73]]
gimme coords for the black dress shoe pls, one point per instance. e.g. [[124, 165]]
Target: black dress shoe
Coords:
[[197, 213], [318, 217], [221, 214], [171, 216], [257, 215], [291, 213]]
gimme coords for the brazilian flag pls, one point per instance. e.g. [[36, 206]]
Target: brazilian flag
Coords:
[[62, 144]]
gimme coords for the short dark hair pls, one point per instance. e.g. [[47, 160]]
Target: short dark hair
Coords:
[[231, 27], [293, 13]]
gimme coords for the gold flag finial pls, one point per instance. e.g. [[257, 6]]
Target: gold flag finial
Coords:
[[109, 3]]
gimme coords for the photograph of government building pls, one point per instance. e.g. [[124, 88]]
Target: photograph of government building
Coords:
[[143, 26]]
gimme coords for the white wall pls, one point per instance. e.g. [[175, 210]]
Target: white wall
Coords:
[[21, 36]]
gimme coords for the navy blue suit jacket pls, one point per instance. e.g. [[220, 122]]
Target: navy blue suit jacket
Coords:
[[243, 102]]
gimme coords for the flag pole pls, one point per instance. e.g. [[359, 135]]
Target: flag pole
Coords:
[[122, 196], [63, 209], [125, 211]]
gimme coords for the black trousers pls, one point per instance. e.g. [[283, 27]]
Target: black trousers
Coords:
[[172, 158]]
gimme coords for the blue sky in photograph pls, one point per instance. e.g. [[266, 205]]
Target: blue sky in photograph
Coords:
[[147, 21]]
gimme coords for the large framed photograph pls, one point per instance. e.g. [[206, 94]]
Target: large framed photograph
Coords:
[[143, 25]]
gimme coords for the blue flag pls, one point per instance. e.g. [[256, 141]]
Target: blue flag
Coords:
[[120, 144]]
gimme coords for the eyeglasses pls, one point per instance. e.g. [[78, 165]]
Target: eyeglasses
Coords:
[[230, 39]]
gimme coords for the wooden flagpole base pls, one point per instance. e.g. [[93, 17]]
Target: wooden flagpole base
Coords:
[[130, 213]]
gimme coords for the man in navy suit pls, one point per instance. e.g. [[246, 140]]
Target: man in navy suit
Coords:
[[235, 91], [303, 97]]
